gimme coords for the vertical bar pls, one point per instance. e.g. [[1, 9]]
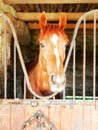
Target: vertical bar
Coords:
[[64, 94], [84, 58], [24, 88], [14, 70], [74, 68], [0, 43], [5, 61], [94, 58], [27, 128], [38, 126], [34, 97], [53, 97]]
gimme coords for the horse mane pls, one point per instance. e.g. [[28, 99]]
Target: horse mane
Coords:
[[50, 29]]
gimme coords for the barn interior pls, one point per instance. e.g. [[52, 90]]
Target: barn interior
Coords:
[[78, 107], [25, 17]]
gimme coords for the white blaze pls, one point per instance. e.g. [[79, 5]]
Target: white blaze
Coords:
[[54, 40], [56, 52]]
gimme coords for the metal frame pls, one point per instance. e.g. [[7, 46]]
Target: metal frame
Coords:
[[40, 120], [72, 48]]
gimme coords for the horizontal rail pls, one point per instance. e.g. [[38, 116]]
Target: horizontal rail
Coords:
[[69, 26], [69, 101], [51, 16], [50, 1]]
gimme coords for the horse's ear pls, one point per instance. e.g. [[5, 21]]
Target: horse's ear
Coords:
[[62, 21], [43, 20]]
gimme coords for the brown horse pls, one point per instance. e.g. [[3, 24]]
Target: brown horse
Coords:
[[48, 76]]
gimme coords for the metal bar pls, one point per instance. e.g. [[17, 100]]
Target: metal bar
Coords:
[[84, 58], [75, 34], [34, 97], [1, 60], [68, 56], [26, 128], [53, 97], [5, 60], [94, 58], [38, 125], [74, 69], [24, 88], [14, 70], [50, 1], [64, 94]]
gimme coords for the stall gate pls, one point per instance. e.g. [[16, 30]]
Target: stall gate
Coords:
[[73, 111]]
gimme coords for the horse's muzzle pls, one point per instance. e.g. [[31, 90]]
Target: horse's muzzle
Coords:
[[57, 82]]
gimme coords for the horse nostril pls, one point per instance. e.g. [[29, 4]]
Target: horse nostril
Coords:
[[52, 78], [58, 79]]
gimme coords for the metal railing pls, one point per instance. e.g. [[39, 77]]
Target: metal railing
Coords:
[[17, 49], [6, 21], [72, 52]]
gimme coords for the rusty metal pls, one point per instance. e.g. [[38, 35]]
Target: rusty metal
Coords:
[[41, 121]]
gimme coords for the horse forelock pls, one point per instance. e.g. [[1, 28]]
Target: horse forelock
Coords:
[[50, 29]]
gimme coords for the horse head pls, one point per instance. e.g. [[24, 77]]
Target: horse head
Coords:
[[52, 41]]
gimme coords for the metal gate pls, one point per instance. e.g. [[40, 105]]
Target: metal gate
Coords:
[[55, 110], [89, 17]]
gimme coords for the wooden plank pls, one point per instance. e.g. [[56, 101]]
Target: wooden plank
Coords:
[[77, 117], [50, 1], [69, 26], [5, 117], [29, 111], [54, 115], [50, 16], [87, 117], [17, 116], [95, 117], [66, 118]]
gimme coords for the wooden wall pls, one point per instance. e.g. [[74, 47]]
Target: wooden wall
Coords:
[[80, 117]]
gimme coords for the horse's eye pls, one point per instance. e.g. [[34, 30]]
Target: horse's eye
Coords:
[[42, 44]]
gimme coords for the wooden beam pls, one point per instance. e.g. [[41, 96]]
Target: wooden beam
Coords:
[[69, 26], [50, 1], [52, 16]]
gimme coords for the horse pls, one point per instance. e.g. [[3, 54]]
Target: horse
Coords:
[[47, 76]]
